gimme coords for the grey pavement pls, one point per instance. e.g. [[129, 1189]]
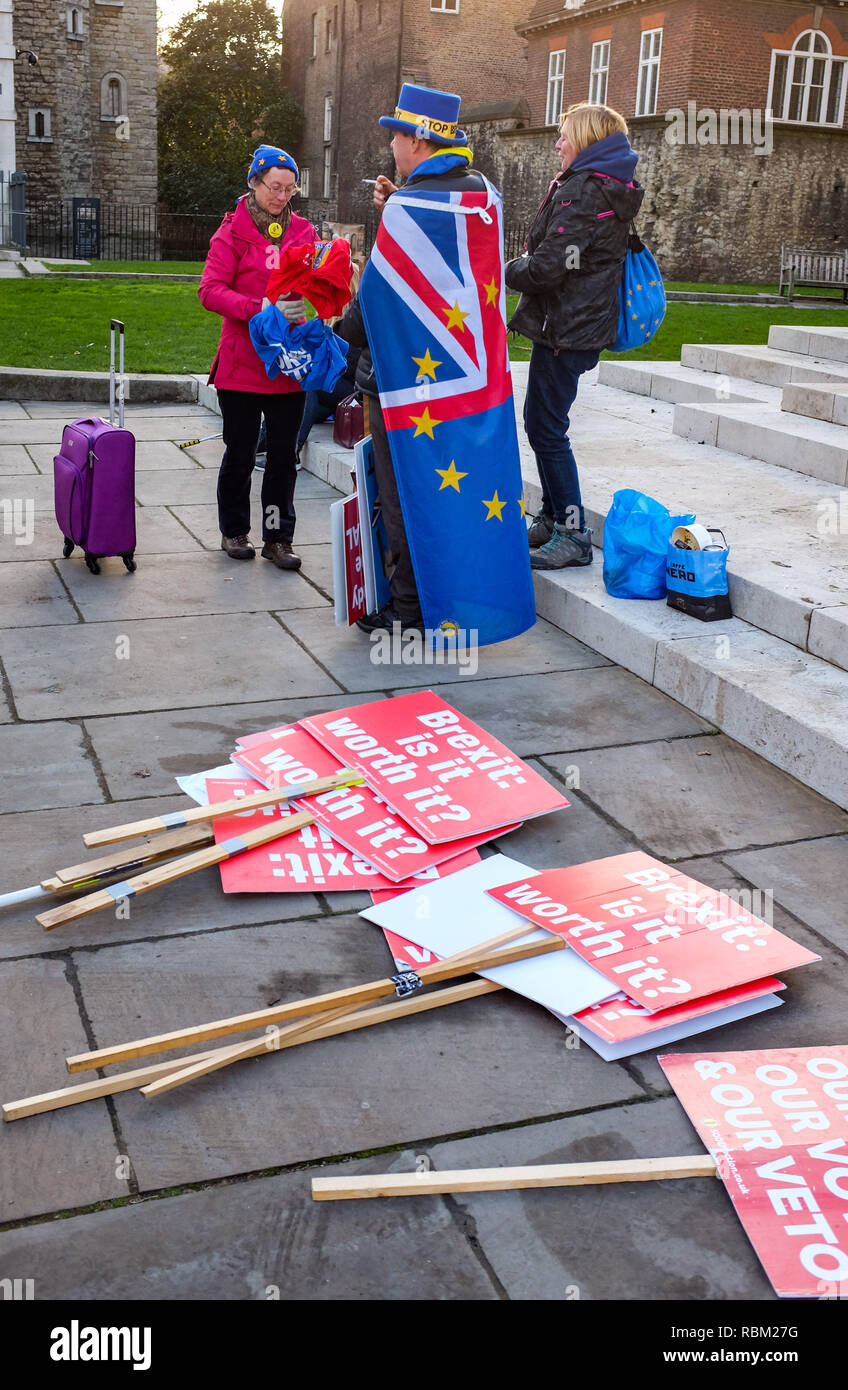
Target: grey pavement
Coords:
[[113, 685]]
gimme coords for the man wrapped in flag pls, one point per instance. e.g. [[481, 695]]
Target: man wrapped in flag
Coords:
[[431, 313]]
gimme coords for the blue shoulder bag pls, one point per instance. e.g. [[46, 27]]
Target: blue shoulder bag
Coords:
[[642, 297]]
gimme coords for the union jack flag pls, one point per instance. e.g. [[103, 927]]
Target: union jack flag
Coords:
[[434, 302]]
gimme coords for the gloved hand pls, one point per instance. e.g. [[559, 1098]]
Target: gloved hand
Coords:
[[292, 310]]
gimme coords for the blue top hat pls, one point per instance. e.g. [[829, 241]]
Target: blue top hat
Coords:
[[270, 157], [429, 114]]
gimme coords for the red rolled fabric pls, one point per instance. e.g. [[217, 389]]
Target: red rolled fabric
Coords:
[[319, 273]]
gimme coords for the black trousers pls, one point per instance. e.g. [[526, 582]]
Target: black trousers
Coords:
[[242, 413], [402, 583]]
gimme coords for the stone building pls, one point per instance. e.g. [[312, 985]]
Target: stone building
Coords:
[[345, 63], [695, 79], [86, 111]]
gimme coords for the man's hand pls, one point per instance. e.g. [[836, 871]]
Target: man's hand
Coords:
[[383, 189], [292, 310]]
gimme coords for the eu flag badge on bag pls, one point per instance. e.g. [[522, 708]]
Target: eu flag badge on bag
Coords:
[[696, 573], [642, 297]]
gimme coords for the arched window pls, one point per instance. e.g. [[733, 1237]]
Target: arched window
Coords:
[[38, 123], [807, 85], [113, 96], [75, 23]]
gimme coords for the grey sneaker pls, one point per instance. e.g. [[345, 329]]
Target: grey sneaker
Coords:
[[563, 549], [540, 530]]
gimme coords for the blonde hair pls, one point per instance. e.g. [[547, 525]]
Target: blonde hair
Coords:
[[584, 124]]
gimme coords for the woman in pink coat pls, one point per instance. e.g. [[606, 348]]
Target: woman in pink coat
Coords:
[[242, 254]]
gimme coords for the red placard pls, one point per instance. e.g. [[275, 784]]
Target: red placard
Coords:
[[443, 870], [406, 953], [775, 1122], [308, 862], [354, 580], [355, 816], [439, 770], [620, 1019], [661, 938]]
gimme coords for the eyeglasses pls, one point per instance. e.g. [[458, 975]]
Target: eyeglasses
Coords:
[[280, 190]]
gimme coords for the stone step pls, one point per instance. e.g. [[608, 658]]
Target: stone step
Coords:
[[769, 365], [763, 431], [830, 343], [671, 381], [789, 706], [817, 402], [37, 384]]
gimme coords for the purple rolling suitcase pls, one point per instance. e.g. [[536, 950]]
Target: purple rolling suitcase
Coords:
[[94, 479]]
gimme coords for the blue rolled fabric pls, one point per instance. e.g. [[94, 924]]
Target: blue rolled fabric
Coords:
[[310, 353]]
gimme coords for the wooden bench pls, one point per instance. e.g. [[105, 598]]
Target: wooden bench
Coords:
[[820, 269]]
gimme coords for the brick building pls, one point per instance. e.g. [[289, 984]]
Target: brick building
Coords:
[[695, 79], [86, 111], [345, 63]]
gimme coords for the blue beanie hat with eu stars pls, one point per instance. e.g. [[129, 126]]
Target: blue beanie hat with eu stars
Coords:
[[270, 157]]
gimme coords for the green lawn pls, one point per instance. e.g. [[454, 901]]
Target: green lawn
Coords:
[[65, 324], [137, 267]]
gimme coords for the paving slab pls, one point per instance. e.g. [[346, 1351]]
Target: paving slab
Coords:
[[37, 843], [493, 1060], [141, 754], [311, 487], [318, 566], [168, 660], [162, 488], [807, 879], [210, 452], [34, 489], [569, 710], [6, 715], [678, 1239], [260, 1239], [149, 454], [574, 835], [15, 459], [64, 410], [159, 533], [12, 410], [215, 585], [346, 653], [700, 795], [46, 765], [312, 528], [33, 595], [815, 1001], [68, 1161]]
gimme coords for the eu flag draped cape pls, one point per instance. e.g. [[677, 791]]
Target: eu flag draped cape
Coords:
[[433, 299]]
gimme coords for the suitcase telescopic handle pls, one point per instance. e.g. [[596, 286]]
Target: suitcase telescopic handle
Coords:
[[116, 326]]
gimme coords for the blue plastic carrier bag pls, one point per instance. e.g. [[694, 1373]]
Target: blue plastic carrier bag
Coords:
[[642, 298], [697, 579], [636, 537]]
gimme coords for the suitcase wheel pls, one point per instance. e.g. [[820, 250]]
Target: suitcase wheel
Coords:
[[67, 548], [91, 562], [129, 562]]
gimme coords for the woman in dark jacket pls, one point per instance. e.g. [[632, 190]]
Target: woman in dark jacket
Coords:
[[569, 278]]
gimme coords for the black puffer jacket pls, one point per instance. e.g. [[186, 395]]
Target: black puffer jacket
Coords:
[[352, 327], [570, 276]]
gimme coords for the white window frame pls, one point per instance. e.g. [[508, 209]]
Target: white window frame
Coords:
[[556, 86], [328, 118], [599, 72], [444, 6], [315, 34], [77, 32], [304, 183], [648, 81], [328, 172], [32, 113], [836, 69]]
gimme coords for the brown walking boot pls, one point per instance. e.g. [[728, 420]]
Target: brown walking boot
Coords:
[[238, 547], [280, 553]]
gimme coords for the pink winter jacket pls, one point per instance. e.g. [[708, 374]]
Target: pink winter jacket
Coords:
[[233, 285]]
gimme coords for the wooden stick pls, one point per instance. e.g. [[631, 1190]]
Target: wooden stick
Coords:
[[309, 1030], [343, 778], [358, 995], [509, 1179], [191, 837], [173, 869], [128, 1080]]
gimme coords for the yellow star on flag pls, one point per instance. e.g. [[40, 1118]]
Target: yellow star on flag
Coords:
[[492, 291], [495, 506], [424, 423], [451, 476], [455, 317], [653, 282], [426, 365], [638, 287], [521, 506]]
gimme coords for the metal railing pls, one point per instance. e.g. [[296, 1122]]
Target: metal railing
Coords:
[[126, 232]]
